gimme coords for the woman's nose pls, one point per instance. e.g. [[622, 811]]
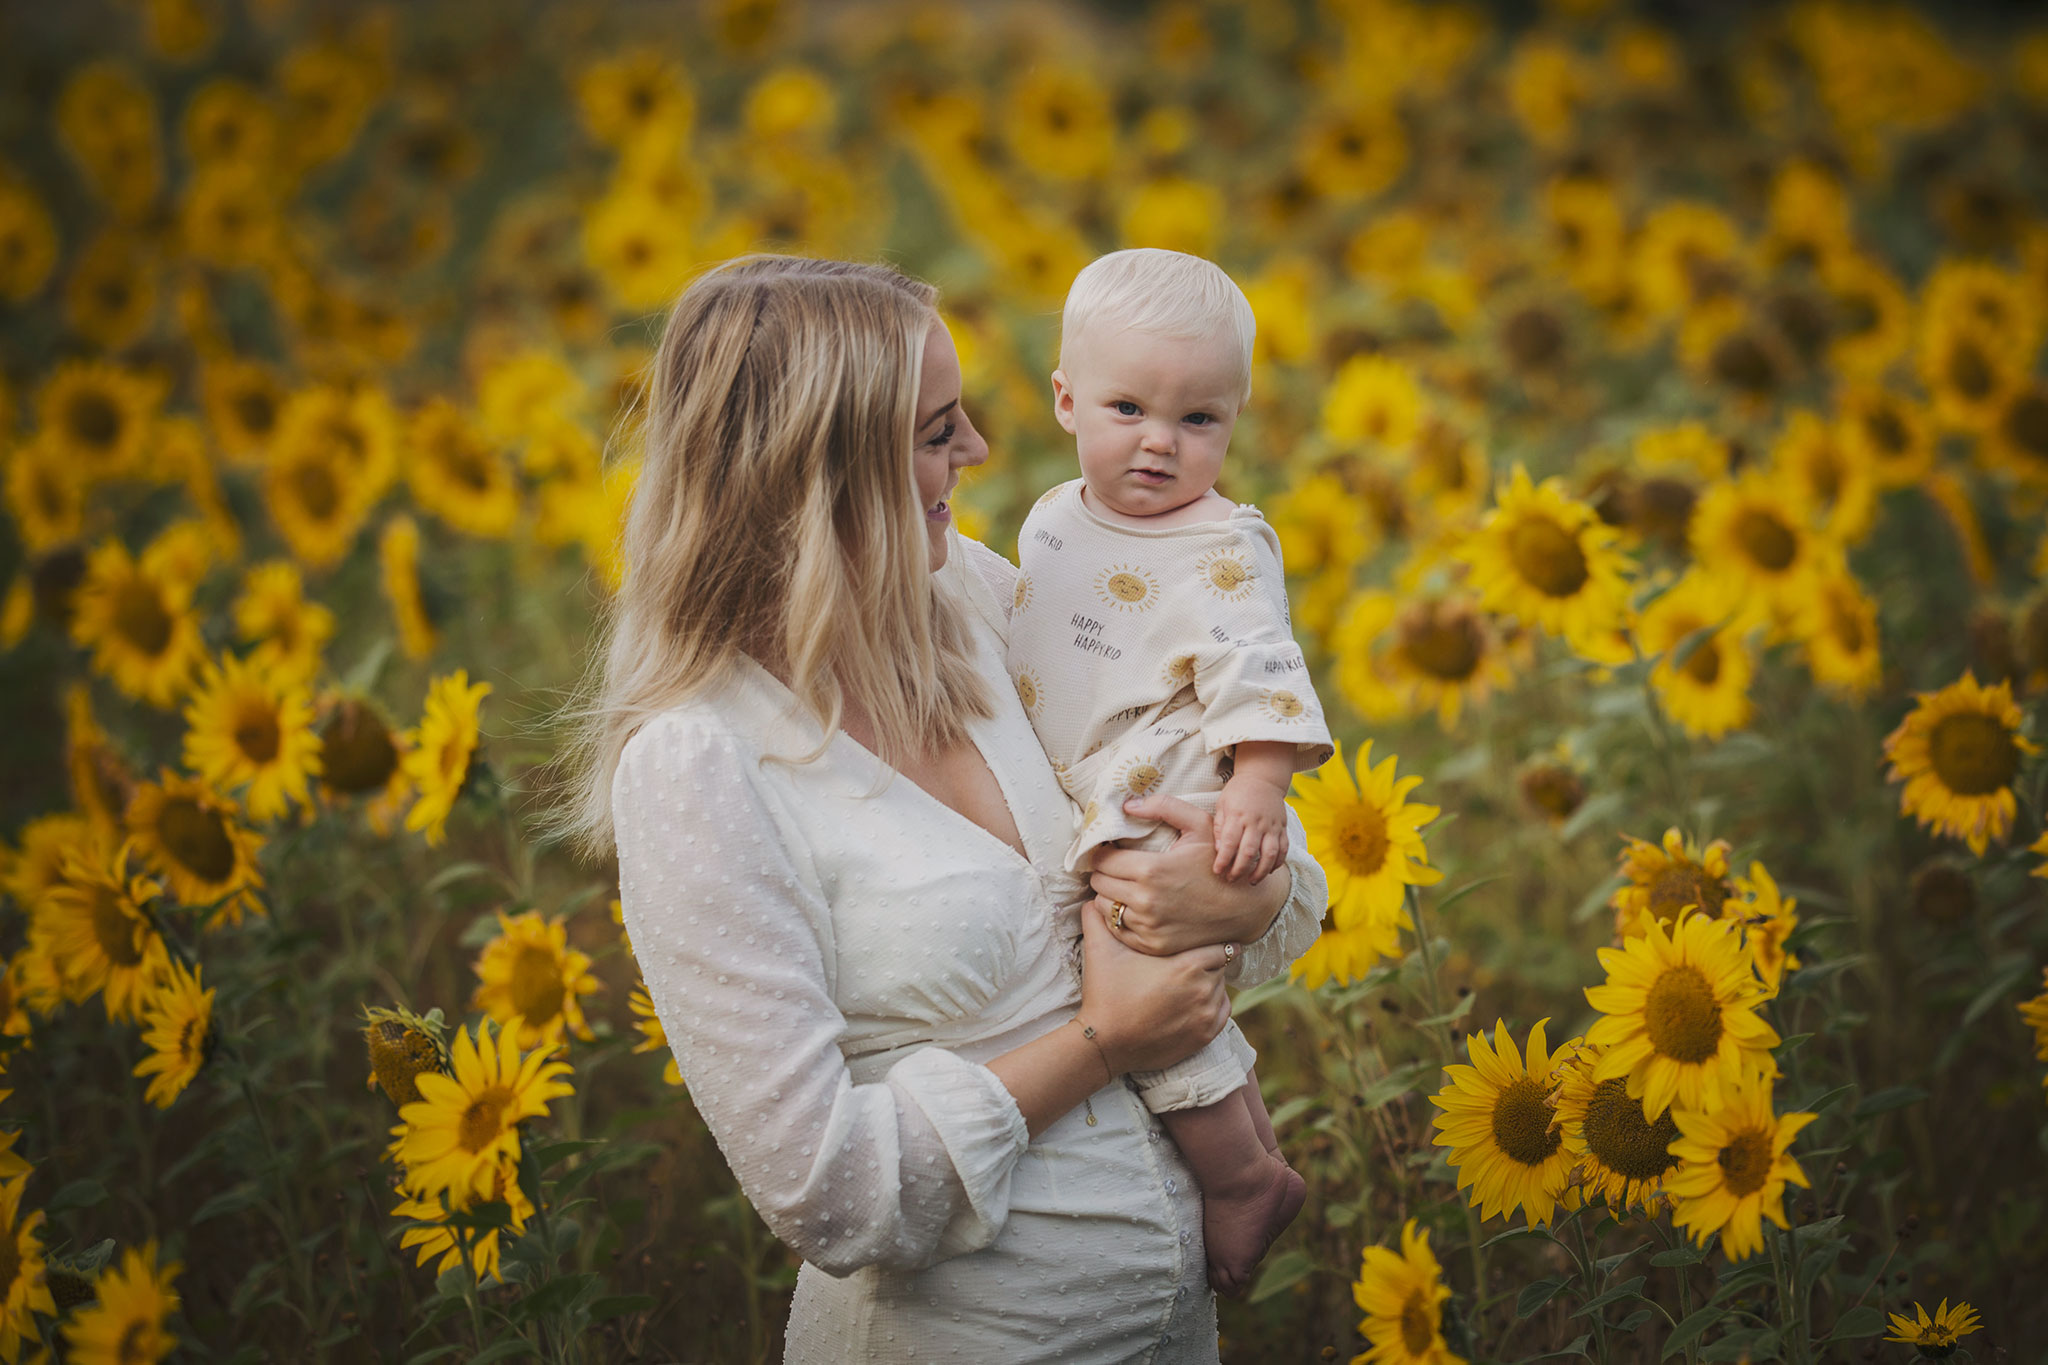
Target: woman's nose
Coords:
[[971, 451]]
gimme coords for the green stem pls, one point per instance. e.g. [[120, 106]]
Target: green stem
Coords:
[[1585, 1259], [1684, 1289], [1785, 1314], [1446, 1053]]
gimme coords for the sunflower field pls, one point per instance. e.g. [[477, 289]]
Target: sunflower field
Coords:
[[1649, 402]]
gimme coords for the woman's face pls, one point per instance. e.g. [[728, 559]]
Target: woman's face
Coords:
[[945, 441]]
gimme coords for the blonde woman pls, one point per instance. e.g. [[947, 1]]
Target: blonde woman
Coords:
[[828, 805]]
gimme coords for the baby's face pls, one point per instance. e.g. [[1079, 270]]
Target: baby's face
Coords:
[[1151, 414]]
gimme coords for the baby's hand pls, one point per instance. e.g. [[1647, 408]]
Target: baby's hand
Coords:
[[1251, 828]]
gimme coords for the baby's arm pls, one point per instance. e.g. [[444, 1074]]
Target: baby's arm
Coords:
[[1251, 812]]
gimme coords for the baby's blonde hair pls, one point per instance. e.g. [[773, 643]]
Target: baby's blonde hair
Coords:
[[1150, 289], [776, 516]]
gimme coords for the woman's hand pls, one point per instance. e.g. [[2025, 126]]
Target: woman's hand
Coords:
[[1173, 900], [1149, 1012]]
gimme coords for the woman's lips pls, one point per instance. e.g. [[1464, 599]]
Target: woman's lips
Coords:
[[939, 512]]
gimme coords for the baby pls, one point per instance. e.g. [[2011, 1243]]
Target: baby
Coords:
[[1151, 646]]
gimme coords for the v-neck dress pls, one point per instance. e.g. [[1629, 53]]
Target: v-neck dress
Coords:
[[835, 955]]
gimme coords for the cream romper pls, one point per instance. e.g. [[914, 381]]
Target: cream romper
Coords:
[[1141, 657]]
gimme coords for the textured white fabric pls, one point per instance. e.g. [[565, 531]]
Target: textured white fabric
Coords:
[[834, 968]]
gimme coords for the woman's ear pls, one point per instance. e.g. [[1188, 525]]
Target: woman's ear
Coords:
[[1062, 402]]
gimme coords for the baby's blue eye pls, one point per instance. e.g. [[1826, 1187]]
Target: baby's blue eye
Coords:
[[1126, 408], [1200, 419]]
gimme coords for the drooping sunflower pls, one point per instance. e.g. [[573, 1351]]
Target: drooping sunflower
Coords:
[[1373, 400], [126, 1323], [1402, 1296], [432, 1235], [24, 1292], [531, 981], [177, 1028], [102, 784], [1838, 632], [458, 477], [274, 614], [361, 756], [96, 924], [1889, 432], [1500, 1123], [1368, 834], [1621, 1153], [37, 864], [1733, 1166], [195, 840], [1958, 752], [1835, 487], [140, 625], [1937, 1337], [398, 556], [1680, 1014], [654, 1037], [1548, 560], [252, 728], [439, 750], [401, 1045], [1768, 918], [466, 1123], [98, 417], [1708, 692]]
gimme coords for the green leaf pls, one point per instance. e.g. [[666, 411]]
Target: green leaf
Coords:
[[1689, 1331], [1630, 1288], [458, 872], [1575, 1347], [231, 1200], [1252, 997], [1596, 900], [1634, 1320], [1394, 1084], [617, 1306], [556, 1296], [1860, 1321], [1467, 889], [1294, 1108], [436, 1353], [1886, 1100], [2000, 986], [545, 1154], [362, 678], [1534, 1296], [1452, 1015], [1517, 1235], [1608, 1264], [1685, 1255], [1828, 1099], [78, 1194], [1282, 1273], [1814, 1232], [1594, 810], [1760, 1343]]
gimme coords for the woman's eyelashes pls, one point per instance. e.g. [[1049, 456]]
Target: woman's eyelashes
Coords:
[[943, 437]]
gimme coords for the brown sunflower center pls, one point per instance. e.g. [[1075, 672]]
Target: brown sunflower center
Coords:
[[1887, 432], [1522, 1122], [314, 485], [118, 932], [537, 990], [1681, 1015], [483, 1121], [1972, 753], [1746, 1161], [398, 1053], [1845, 624], [140, 617], [1442, 640], [1361, 838], [1766, 539], [256, 732], [255, 411], [2026, 425], [197, 837], [1418, 1333], [1685, 883], [1548, 557], [1969, 371], [356, 750], [1662, 507], [1703, 665], [1742, 362], [1624, 1141], [1824, 474], [95, 419]]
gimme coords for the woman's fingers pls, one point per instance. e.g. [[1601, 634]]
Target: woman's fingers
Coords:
[[1174, 811]]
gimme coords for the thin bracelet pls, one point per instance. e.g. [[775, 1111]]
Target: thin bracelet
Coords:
[[1088, 1032]]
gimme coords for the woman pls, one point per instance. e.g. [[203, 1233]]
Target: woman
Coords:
[[827, 803]]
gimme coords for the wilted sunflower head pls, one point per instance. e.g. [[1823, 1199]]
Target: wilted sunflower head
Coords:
[[358, 748], [402, 1045], [1554, 789], [1944, 893]]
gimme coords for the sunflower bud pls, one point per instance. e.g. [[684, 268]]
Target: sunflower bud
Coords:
[[401, 1046], [1553, 789]]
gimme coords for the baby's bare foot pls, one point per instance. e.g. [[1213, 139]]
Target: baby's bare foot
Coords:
[[1240, 1225]]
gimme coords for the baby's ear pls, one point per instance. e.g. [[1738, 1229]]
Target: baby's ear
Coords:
[[1062, 402]]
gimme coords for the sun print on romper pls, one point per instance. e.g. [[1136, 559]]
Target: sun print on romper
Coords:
[[1283, 705], [1049, 496], [1180, 670], [1227, 573], [1021, 597], [1127, 587], [1139, 775], [1028, 693]]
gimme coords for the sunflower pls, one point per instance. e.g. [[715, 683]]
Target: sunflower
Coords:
[[642, 254], [654, 1038], [1887, 432], [1984, 295], [138, 624], [1373, 401], [96, 925], [1500, 1124], [1838, 632], [1935, 1338], [1058, 121], [111, 297], [1402, 1297], [1733, 1166], [1586, 235], [1958, 752], [45, 495], [1368, 834], [1680, 1014], [1968, 372], [251, 726], [37, 863], [243, 400], [2034, 1013], [398, 555], [316, 502], [125, 1323], [529, 976], [456, 476], [1620, 1152], [1708, 692], [1872, 315], [361, 757], [177, 1027], [440, 748], [639, 94], [1834, 487], [524, 392], [1548, 560], [1352, 151], [1173, 212], [1433, 654], [432, 1235], [101, 782], [273, 613], [467, 1122], [2018, 441], [1747, 533], [1767, 918], [354, 426], [195, 840], [1687, 254], [227, 120], [1346, 955], [25, 1292], [98, 417], [28, 243]]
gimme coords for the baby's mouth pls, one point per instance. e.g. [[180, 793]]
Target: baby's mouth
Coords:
[[1152, 476]]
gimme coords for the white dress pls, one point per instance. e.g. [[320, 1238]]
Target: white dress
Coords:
[[834, 965]]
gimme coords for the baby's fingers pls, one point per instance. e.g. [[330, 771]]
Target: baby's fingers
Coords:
[[1272, 853], [1227, 838], [1247, 856]]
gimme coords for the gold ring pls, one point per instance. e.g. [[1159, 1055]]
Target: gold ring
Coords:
[[1116, 915], [1229, 953]]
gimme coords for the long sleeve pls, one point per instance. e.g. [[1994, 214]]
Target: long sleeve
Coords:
[[1299, 921], [735, 942]]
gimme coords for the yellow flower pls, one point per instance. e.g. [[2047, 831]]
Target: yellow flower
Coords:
[[1174, 212], [1767, 919], [97, 417], [177, 1027], [252, 728], [398, 556], [1546, 85], [125, 1324], [439, 750], [25, 1292], [96, 926], [1433, 654], [1707, 694], [192, 838], [1935, 1337], [1833, 486], [1838, 631], [1888, 432], [1500, 1124], [1984, 295], [1373, 400], [401, 1045], [316, 502], [229, 121], [137, 620], [457, 477], [1733, 1166], [1549, 561], [1621, 1153], [1958, 752], [1352, 151], [45, 495], [2018, 441], [229, 216], [111, 297], [28, 243], [243, 400], [1402, 1297], [360, 755], [273, 613], [1747, 534], [432, 1235], [107, 119], [529, 977], [101, 783], [1968, 372], [1368, 835], [38, 863], [2040, 846], [466, 1124], [1680, 1014], [654, 1038], [2034, 1013], [638, 94], [1688, 254], [641, 251], [1058, 121], [1346, 955], [525, 392], [1872, 315]]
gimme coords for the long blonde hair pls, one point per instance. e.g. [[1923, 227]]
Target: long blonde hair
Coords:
[[776, 517]]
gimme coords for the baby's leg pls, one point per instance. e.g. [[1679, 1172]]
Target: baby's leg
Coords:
[[1249, 1195], [1255, 1103]]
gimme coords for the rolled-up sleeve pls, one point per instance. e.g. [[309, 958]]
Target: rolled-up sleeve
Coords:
[[735, 943], [1300, 918]]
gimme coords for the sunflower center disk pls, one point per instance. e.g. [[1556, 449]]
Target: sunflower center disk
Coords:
[[483, 1122], [1522, 1123], [357, 751], [1766, 539], [95, 421], [1969, 371], [1548, 557], [119, 933], [256, 734], [1746, 1162], [1972, 753], [1844, 624], [1625, 1143], [536, 985], [1417, 1331], [1681, 1016], [1886, 432], [1361, 836], [317, 491], [140, 617], [1703, 665], [1684, 884], [1442, 642], [197, 838], [2026, 425]]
